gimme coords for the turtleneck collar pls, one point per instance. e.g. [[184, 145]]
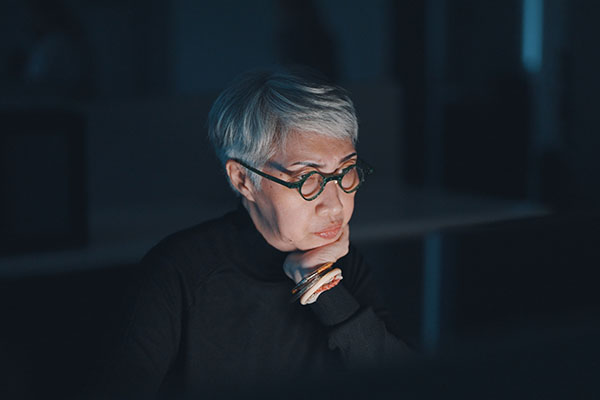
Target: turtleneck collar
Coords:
[[253, 254]]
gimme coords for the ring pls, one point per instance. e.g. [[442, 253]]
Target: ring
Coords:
[[312, 275], [313, 293]]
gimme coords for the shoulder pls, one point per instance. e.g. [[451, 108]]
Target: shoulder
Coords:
[[354, 267], [354, 261], [192, 253]]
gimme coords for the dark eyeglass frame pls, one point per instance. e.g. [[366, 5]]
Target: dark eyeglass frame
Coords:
[[364, 167]]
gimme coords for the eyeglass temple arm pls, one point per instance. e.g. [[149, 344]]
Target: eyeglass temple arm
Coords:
[[291, 185], [367, 167]]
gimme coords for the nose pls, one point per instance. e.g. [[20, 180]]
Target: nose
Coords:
[[329, 203]]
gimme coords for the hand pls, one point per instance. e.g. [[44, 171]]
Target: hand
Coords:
[[299, 264]]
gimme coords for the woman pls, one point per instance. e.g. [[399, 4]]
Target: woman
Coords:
[[274, 288]]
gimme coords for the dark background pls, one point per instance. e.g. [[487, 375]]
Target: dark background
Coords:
[[481, 222]]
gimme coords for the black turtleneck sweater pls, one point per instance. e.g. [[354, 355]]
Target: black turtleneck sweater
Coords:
[[214, 308]]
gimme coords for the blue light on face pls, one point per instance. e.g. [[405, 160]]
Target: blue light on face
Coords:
[[532, 35]]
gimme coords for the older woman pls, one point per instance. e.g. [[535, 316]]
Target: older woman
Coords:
[[274, 288]]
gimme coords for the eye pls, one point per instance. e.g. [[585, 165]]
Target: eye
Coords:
[[346, 166], [303, 174]]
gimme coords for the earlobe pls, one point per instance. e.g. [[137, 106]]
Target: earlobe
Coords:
[[238, 177]]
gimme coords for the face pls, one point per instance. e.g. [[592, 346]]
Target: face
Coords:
[[285, 219]]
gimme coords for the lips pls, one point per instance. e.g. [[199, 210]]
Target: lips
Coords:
[[330, 232]]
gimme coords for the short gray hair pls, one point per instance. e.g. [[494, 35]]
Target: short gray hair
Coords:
[[252, 117]]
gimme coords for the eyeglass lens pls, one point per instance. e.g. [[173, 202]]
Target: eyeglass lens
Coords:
[[312, 185]]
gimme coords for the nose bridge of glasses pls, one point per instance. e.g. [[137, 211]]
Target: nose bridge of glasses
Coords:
[[334, 178], [331, 191], [325, 179], [330, 178]]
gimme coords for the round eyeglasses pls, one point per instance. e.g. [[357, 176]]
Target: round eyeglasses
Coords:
[[312, 184]]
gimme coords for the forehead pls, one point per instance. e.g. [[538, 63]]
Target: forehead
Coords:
[[308, 146]]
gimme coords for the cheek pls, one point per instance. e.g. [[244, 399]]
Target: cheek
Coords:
[[293, 219], [296, 228], [348, 203]]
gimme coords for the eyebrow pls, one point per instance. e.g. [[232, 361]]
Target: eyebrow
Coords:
[[312, 164]]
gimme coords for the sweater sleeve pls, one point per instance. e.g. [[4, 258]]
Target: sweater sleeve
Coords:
[[358, 322]]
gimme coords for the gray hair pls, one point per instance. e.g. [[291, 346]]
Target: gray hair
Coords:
[[251, 118]]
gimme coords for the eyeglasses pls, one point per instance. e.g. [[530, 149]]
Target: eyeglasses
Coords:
[[311, 185]]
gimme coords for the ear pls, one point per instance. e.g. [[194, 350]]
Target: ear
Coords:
[[238, 176]]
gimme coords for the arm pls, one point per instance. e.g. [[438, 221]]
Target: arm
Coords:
[[353, 311], [359, 326]]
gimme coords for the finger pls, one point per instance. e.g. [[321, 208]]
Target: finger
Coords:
[[330, 252], [340, 247], [299, 264]]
